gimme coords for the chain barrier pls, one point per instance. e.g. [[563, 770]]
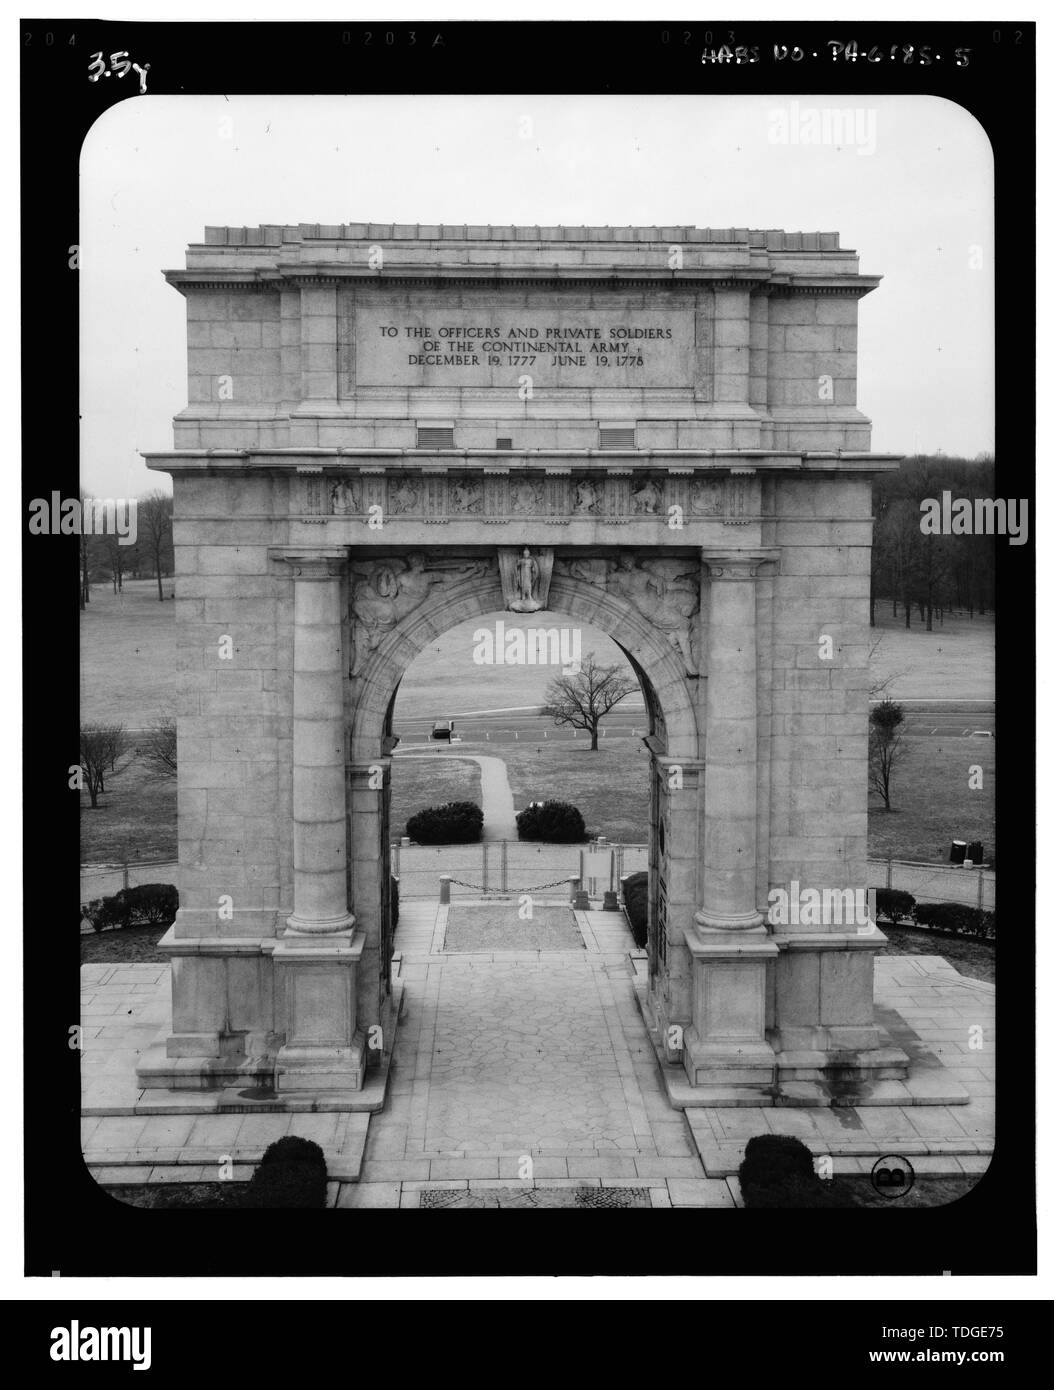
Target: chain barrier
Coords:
[[535, 888]]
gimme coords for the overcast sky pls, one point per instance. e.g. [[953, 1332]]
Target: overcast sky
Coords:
[[911, 192]]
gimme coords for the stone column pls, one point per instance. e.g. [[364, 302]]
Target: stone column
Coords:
[[315, 960], [320, 891], [731, 806], [727, 1053]]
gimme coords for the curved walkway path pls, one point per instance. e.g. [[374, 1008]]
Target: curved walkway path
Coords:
[[499, 815]]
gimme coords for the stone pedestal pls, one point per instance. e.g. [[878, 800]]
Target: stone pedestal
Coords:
[[726, 1044], [315, 990]]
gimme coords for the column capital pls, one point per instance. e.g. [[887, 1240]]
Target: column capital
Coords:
[[728, 563], [313, 564]]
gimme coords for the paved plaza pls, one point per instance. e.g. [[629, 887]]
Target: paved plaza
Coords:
[[517, 1072]]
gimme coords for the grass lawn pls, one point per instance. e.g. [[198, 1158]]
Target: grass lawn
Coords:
[[932, 800], [975, 959], [444, 681], [419, 782], [135, 818], [206, 1196], [609, 787], [135, 944], [956, 661], [128, 673], [926, 1191], [128, 654]]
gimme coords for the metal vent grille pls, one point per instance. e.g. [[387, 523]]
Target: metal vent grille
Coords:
[[503, 444], [618, 439], [433, 438]]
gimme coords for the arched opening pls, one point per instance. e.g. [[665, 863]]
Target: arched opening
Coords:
[[660, 727]]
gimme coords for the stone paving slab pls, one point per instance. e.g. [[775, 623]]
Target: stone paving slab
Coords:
[[533, 1065]]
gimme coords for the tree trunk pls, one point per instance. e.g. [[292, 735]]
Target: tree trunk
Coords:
[[593, 736], [160, 591]]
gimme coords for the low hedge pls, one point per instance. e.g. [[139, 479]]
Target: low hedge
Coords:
[[894, 904], [455, 823], [556, 822], [958, 919], [146, 903], [292, 1173], [635, 899], [777, 1171]]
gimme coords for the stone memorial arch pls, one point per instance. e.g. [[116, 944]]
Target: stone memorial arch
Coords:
[[383, 419]]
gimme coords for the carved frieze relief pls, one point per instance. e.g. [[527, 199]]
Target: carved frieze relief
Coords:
[[502, 497]]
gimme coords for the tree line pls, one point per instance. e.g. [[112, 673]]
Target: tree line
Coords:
[[928, 576], [104, 559]]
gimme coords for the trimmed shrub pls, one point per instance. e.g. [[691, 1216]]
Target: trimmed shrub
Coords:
[[635, 898], [958, 919], [291, 1174], [93, 913], [455, 823], [556, 822], [394, 900], [894, 904], [108, 913], [147, 903], [777, 1171], [152, 902], [293, 1149]]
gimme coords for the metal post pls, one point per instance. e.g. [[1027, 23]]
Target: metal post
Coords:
[[504, 866], [889, 869], [484, 848], [444, 888]]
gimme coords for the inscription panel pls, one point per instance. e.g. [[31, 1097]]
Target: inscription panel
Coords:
[[497, 346]]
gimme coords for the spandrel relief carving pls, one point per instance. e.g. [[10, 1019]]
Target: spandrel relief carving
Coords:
[[384, 592], [665, 592]]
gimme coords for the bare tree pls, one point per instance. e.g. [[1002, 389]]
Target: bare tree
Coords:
[[877, 686], [155, 532], [884, 747], [583, 699], [159, 748], [100, 747]]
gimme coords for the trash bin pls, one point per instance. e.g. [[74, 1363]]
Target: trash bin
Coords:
[[958, 853], [976, 851]]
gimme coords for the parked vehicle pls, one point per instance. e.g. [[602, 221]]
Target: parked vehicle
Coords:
[[443, 728]]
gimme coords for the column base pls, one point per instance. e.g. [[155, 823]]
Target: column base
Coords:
[[327, 1069], [736, 921], [708, 1063], [325, 926]]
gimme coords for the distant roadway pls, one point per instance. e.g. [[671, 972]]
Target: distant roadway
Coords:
[[928, 718]]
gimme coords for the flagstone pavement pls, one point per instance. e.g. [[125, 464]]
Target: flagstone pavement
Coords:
[[532, 1069]]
